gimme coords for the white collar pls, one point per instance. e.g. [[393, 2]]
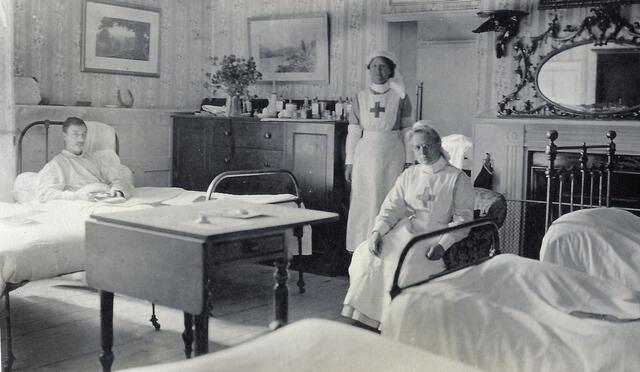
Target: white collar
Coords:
[[434, 167], [69, 153], [380, 88]]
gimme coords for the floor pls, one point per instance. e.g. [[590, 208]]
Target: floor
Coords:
[[56, 323]]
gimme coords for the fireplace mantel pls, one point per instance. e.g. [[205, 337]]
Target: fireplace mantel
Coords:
[[508, 140]]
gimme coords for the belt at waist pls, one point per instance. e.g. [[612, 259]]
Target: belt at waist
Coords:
[[371, 134]]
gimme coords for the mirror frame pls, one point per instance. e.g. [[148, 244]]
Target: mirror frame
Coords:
[[605, 25]]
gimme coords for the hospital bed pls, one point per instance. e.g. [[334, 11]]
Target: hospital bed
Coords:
[[576, 310], [316, 345], [509, 313], [45, 240]]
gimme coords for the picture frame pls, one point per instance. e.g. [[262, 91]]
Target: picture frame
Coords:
[[290, 47], [557, 4], [120, 38]]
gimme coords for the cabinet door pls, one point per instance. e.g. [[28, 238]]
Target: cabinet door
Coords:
[[310, 154], [191, 144]]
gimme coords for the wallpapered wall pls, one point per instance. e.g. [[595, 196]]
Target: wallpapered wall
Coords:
[[6, 100], [48, 34], [47, 46], [356, 29]]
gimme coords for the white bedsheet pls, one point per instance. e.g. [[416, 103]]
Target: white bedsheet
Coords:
[[44, 240], [315, 345], [604, 242], [512, 314]]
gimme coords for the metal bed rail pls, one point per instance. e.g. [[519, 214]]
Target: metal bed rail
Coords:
[[47, 124], [594, 176], [298, 231], [479, 223]]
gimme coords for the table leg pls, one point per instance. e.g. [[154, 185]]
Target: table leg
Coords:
[[297, 232], [202, 333], [187, 335], [106, 329], [281, 294]]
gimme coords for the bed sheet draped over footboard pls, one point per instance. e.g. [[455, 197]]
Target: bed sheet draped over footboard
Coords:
[[603, 242], [513, 314]]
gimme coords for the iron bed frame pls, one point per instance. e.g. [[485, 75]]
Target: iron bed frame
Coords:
[[9, 359], [590, 179]]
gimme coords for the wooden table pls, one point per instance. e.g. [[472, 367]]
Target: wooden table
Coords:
[[165, 256]]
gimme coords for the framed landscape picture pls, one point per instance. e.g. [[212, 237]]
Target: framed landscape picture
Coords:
[[291, 48], [120, 39]]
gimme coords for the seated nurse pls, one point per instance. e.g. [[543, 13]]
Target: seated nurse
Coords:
[[76, 175], [426, 197]]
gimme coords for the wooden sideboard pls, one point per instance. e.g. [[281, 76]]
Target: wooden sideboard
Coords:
[[205, 146]]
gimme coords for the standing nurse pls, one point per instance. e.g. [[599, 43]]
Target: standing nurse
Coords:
[[377, 146]]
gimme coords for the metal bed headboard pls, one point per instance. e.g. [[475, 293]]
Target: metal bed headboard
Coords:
[[479, 223], [46, 124], [255, 172], [594, 175]]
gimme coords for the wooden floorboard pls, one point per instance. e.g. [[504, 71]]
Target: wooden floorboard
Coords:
[[56, 323]]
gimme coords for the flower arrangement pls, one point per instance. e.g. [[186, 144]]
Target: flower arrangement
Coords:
[[234, 74]]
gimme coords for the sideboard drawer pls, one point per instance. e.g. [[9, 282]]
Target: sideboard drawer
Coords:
[[222, 134], [257, 248], [259, 136], [245, 159]]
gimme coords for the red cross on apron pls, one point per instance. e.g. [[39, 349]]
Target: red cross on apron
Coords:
[[377, 109]]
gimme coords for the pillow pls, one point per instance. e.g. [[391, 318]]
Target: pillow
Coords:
[[24, 187]]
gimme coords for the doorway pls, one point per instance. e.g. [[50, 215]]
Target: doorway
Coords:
[[439, 50]]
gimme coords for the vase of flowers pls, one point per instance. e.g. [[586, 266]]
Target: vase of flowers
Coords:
[[234, 75]]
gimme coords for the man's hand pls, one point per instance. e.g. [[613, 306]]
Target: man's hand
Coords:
[[87, 192], [348, 170], [374, 243], [116, 192], [435, 252]]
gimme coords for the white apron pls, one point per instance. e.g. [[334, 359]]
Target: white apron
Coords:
[[371, 277], [378, 161]]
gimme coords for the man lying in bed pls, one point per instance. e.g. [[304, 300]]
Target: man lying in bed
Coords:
[[426, 197], [76, 175]]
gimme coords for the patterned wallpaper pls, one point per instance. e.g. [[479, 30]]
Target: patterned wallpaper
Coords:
[[47, 46], [356, 28], [7, 166], [48, 34]]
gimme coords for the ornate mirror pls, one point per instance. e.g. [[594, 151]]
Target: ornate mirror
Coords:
[[587, 71]]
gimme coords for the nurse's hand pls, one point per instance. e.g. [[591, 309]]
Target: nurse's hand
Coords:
[[348, 170], [435, 252], [375, 245]]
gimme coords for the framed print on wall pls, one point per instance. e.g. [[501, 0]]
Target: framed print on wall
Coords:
[[291, 48], [120, 39]]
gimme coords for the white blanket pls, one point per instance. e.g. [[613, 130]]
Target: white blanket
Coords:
[[513, 314], [316, 345], [44, 240], [603, 242]]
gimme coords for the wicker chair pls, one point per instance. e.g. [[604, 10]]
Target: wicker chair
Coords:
[[488, 204]]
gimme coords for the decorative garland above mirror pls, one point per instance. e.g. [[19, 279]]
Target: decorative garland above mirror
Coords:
[[589, 71]]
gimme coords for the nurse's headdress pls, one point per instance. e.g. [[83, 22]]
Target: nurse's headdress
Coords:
[[396, 82], [426, 126]]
